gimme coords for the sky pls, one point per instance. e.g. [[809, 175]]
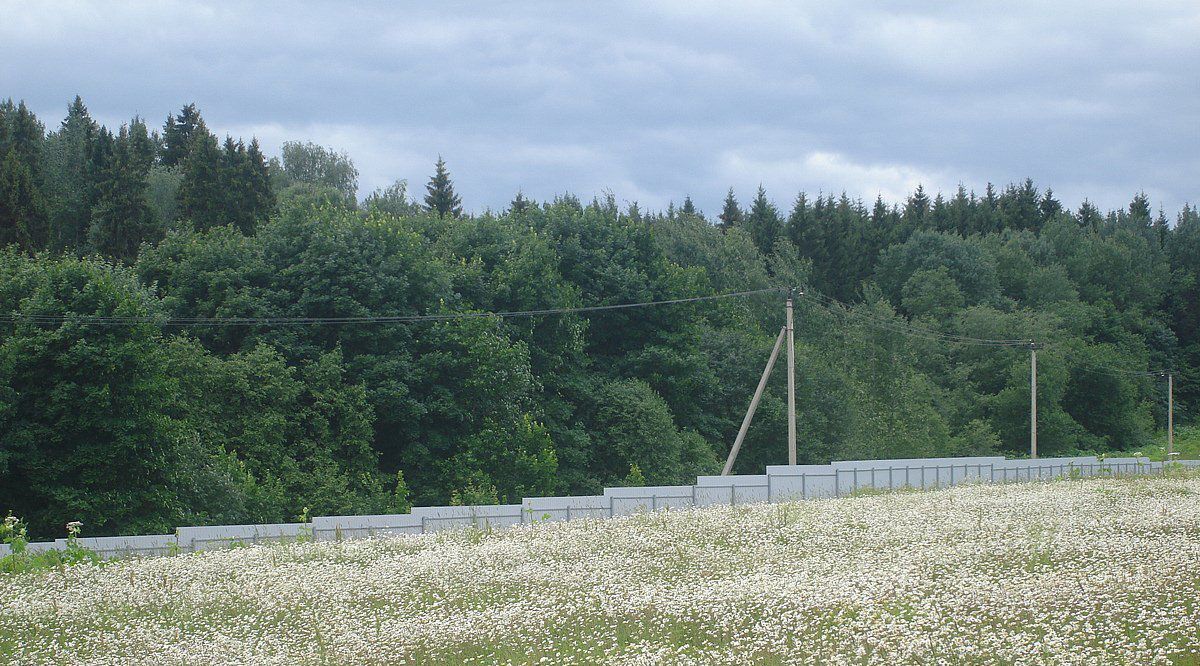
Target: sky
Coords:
[[656, 100]]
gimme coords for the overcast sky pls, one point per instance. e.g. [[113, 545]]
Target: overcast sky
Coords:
[[655, 100]]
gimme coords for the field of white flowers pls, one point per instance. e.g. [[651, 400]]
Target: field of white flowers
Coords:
[[1065, 572]]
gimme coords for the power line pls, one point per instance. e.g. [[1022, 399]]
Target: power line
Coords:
[[15, 318], [827, 303]]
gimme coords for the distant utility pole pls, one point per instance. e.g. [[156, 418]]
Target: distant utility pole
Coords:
[[1170, 414], [791, 379], [1033, 347]]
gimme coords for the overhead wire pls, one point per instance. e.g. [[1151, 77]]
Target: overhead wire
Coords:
[[836, 307], [111, 320]]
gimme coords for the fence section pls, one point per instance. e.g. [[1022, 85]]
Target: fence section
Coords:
[[780, 483]]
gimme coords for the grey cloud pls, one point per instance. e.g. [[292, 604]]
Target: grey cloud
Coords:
[[655, 100]]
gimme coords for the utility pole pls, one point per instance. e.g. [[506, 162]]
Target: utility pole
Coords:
[[791, 381], [1170, 414], [1033, 347], [762, 384]]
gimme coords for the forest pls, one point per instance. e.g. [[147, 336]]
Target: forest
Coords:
[[143, 384]]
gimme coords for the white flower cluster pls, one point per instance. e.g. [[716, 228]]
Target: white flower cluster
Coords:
[[1065, 572]]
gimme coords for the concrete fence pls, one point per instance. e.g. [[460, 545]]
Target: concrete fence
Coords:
[[780, 483]]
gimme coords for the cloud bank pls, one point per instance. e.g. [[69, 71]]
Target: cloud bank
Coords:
[[655, 100]]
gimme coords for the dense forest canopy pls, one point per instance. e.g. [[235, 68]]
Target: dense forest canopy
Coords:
[[150, 422]]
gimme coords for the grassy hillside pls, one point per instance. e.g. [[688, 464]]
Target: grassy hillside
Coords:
[[1062, 572]]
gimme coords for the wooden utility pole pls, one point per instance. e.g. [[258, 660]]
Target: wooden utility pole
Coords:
[[762, 384], [1033, 347], [791, 381]]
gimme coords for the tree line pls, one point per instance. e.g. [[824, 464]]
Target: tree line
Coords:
[[164, 418]]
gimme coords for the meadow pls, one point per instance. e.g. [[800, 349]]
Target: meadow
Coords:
[[1062, 572]]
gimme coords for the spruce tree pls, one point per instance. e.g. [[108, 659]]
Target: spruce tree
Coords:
[[731, 214], [201, 194], [22, 211], [257, 181], [763, 222], [23, 215], [66, 177], [688, 209], [1089, 216], [441, 198], [519, 204], [179, 133], [122, 219]]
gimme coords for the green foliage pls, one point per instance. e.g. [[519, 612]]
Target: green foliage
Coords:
[[140, 427], [310, 164]]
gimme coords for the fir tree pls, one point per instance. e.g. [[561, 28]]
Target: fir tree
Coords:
[[731, 214], [68, 152], [519, 204], [23, 215], [688, 209], [201, 194], [179, 134], [122, 219], [441, 198], [22, 210], [763, 222], [1089, 216]]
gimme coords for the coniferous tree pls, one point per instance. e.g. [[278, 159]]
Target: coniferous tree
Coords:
[[688, 209], [179, 133], [23, 214], [201, 194], [1089, 216], [731, 213], [122, 219], [257, 182], [67, 173], [1049, 208], [441, 198], [763, 222], [519, 204]]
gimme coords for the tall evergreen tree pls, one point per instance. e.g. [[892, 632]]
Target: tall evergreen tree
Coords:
[[179, 133], [122, 219], [763, 222], [1089, 216], [202, 194], [519, 204], [441, 198], [731, 213], [67, 173], [23, 215], [688, 209]]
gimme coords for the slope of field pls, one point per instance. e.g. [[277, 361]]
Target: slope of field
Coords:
[[1096, 571]]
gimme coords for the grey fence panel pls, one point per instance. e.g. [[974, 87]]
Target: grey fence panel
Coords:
[[331, 528], [734, 489], [786, 483], [565, 508], [126, 546], [41, 546], [438, 518], [225, 536], [898, 473], [624, 501], [5, 550]]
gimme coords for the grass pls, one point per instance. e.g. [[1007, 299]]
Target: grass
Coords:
[[1069, 571]]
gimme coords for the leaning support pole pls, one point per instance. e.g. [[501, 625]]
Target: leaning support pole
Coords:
[[791, 381], [762, 384]]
